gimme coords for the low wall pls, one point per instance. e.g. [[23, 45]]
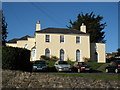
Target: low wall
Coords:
[[17, 79]]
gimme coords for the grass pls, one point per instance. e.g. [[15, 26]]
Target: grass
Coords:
[[96, 76], [95, 65]]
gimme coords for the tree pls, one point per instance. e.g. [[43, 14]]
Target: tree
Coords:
[[4, 28], [93, 24], [118, 51]]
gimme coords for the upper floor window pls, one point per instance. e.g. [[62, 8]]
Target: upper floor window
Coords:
[[47, 38], [61, 38], [77, 39]]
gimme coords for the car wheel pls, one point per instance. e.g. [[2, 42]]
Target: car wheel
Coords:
[[116, 70], [106, 70], [79, 71]]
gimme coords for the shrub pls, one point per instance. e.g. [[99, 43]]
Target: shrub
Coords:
[[43, 57], [14, 58], [54, 58], [86, 59]]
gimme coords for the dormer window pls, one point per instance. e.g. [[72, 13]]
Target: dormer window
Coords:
[[77, 39], [47, 38], [61, 38]]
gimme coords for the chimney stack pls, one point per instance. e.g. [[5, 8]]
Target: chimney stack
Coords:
[[38, 26], [83, 28]]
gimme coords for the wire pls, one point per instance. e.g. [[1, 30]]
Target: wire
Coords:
[[44, 12]]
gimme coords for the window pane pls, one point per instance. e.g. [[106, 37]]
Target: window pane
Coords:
[[77, 55], [77, 39], [47, 52], [62, 54], [47, 38], [33, 53], [61, 38]]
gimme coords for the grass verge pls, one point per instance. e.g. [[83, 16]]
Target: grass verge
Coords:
[[95, 65], [95, 76]]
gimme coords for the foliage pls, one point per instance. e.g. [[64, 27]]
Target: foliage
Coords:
[[4, 29], [15, 58], [54, 58], [51, 63], [86, 59], [118, 51], [70, 61], [94, 65], [93, 24], [43, 57]]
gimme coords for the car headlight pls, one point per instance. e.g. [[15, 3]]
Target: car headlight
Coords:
[[82, 67], [44, 66], [60, 67], [34, 66]]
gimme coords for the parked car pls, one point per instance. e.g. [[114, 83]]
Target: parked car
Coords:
[[82, 66], [40, 65], [114, 66], [62, 66]]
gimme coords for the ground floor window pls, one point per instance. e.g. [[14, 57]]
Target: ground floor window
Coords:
[[78, 55], [47, 52], [62, 55], [33, 52]]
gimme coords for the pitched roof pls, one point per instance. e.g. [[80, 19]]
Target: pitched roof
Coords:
[[60, 31], [16, 39]]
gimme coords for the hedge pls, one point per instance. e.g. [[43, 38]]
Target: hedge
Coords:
[[15, 58]]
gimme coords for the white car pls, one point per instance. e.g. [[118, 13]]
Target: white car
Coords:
[[62, 66]]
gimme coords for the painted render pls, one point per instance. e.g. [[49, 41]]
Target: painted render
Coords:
[[69, 45]]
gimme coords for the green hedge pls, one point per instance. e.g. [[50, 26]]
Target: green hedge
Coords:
[[15, 58]]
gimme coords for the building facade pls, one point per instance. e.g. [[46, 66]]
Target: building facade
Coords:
[[64, 43]]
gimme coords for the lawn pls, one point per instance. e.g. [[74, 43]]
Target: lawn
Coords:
[[95, 65], [97, 76]]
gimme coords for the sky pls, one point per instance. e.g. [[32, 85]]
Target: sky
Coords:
[[22, 17]]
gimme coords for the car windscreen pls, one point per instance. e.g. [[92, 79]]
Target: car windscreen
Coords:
[[82, 63], [118, 62], [62, 62], [40, 62]]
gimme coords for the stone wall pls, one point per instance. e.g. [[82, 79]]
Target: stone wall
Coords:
[[18, 79]]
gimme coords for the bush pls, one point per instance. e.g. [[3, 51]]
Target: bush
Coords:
[[86, 59], [54, 58], [43, 57], [15, 58]]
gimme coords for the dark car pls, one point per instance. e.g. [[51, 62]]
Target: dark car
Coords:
[[40, 65], [82, 66], [114, 66]]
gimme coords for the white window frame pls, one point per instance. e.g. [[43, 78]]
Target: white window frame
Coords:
[[79, 55], [26, 46], [47, 49], [77, 39], [62, 54], [47, 39], [62, 39], [33, 56]]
